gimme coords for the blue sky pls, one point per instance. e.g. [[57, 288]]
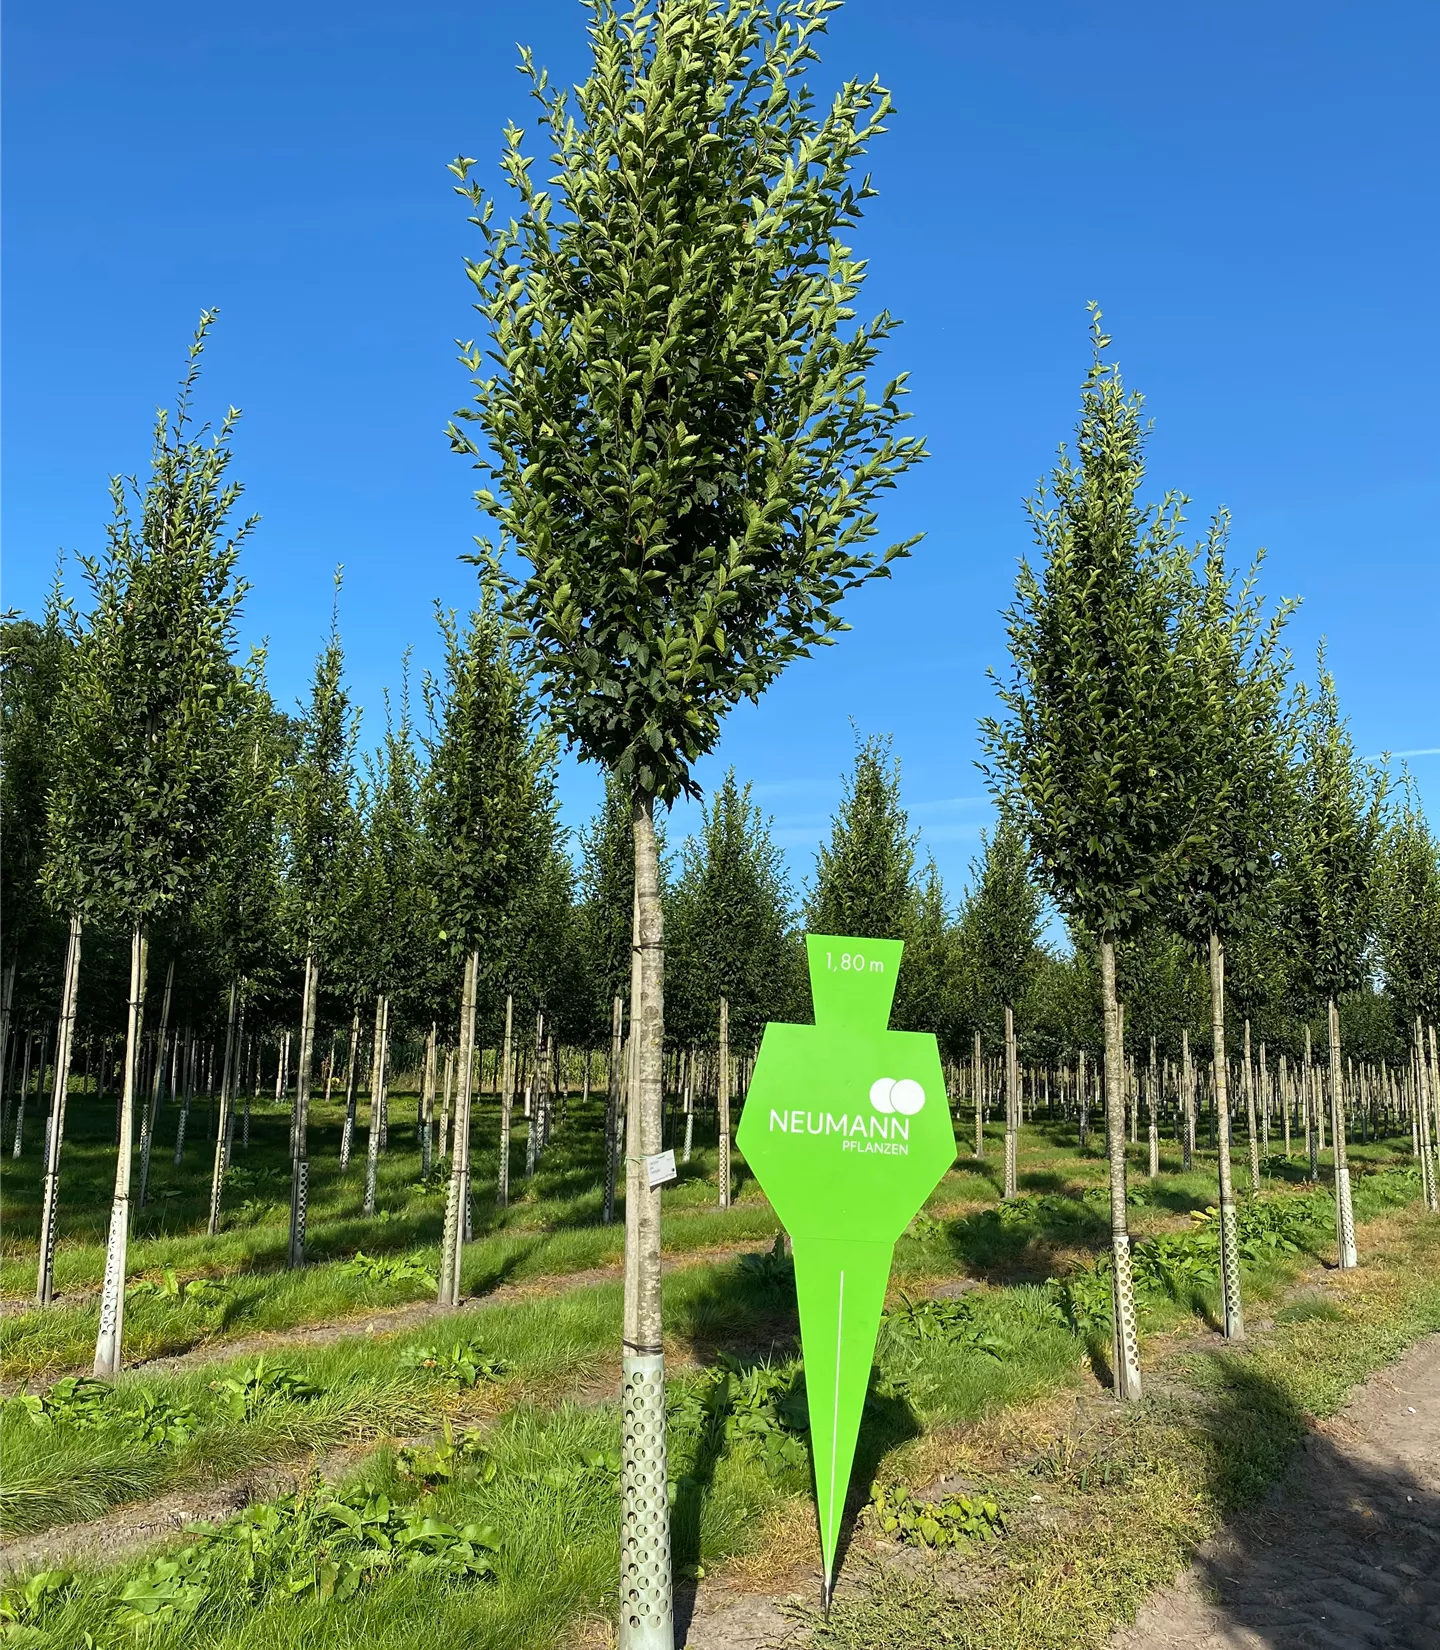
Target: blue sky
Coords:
[[1248, 189]]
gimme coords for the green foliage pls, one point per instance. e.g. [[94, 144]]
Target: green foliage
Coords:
[[950, 1522], [464, 1362], [772, 1271], [390, 1270], [19, 1606], [863, 875], [678, 437], [1408, 913], [142, 721], [1000, 924], [242, 1395], [728, 924], [1090, 756], [946, 1322], [760, 1410], [607, 895], [312, 1546], [438, 1463], [78, 1401]]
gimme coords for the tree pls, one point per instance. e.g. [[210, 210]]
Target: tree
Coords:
[[863, 883], [1231, 683], [682, 450], [318, 826], [1334, 845], [1407, 912], [490, 820], [1002, 921], [141, 771], [1088, 755]]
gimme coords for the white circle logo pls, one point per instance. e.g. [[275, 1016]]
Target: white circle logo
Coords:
[[905, 1095]]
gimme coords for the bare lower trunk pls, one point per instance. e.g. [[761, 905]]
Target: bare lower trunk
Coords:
[[722, 1102], [646, 1615], [1312, 1122], [507, 1104], [300, 1117], [427, 1106], [1125, 1338], [458, 1195], [352, 1094], [1151, 1084], [1252, 1129], [977, 1079], [112, 1298], [64, 1040], [612, 1107], [152, 1106], [1233, 1310], [536, 1109], [227, 1101], [1012, 1104], [1424, 1108], [377, 1089], [1344, 1213]]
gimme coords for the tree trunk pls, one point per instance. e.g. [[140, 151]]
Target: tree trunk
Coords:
[[459, 1191], [646, 1615], [1424, 1107], [352, 1094], [1344, 1212], [612, 1106], [300, 1117], [1125, 1339], [227, 1101], [64, 1041], [689, 1101], [377, 1079], [533, 1132], [1012, 1105], [1233, 1310], [1187, 1101], [112, 1298], [722, 1102], [977, 1079], [1252, 1127], [427, 1106], [157, 1088], [1150, 1103], [507, 1104]]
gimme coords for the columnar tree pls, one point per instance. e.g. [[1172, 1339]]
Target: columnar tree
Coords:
[[1002, 930], [489, 809], [1088, 756], [863, 875], [685, 454], [1232, 687], [141, 786], [317, 825], [1334, 846]]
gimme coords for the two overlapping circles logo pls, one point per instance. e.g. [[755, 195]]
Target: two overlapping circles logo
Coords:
[[903, 1095]]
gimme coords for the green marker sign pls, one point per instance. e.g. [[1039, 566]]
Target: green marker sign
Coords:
[[847, 1128]]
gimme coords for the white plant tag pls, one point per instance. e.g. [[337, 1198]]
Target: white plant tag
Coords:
[[660, 1168]]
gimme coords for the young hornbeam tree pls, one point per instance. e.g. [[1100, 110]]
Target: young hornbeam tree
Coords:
[[1002, 923], [1334, 844], [35, 661], [685, 453], [1232, 683], [239, 905], [317, 829], [141, 776], [730, 934], [391, 925], [864, 875], [1408, 929], [489, 821], [1088, 757]]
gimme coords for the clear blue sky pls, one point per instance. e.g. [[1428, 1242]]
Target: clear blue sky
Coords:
[[1249, 190]]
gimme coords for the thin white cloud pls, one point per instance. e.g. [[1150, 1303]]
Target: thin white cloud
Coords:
[[1380, 756]]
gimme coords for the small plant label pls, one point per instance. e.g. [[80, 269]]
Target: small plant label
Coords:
[[847, 1128], [660, 1168]]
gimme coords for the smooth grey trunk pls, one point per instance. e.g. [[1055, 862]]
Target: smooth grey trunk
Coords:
[[1312, 1122], [722, 1101], [227, 1101], [1424, 1109], [977, 1079], [112, 1296], [64, 1041], [689, 1093], [300, 1116], [612, 1107], [1233, 1308], [1252, 1130], [1150, 1102], [189, 1080], [377, 1089], [533, 1111], [30, 1039], [458, 1195], [427, 1106], [1125, 1339], [445, 1104], [1346, 1256], [507, 1104], [646, 1611], [1012, 1105], [157, 1088], [352, 1094]]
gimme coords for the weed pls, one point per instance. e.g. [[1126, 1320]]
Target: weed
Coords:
[[944, 1523], [464, 1362]]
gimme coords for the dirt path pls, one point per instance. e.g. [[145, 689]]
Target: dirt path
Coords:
[[1344, 1554]]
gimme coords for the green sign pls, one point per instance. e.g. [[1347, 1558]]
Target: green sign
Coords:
[[847, 1128]]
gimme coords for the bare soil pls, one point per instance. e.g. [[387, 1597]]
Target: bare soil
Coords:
[[1344, 1554]]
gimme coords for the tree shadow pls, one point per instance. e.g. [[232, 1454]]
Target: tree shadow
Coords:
[[1343, 1550], [1019, 1242]]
